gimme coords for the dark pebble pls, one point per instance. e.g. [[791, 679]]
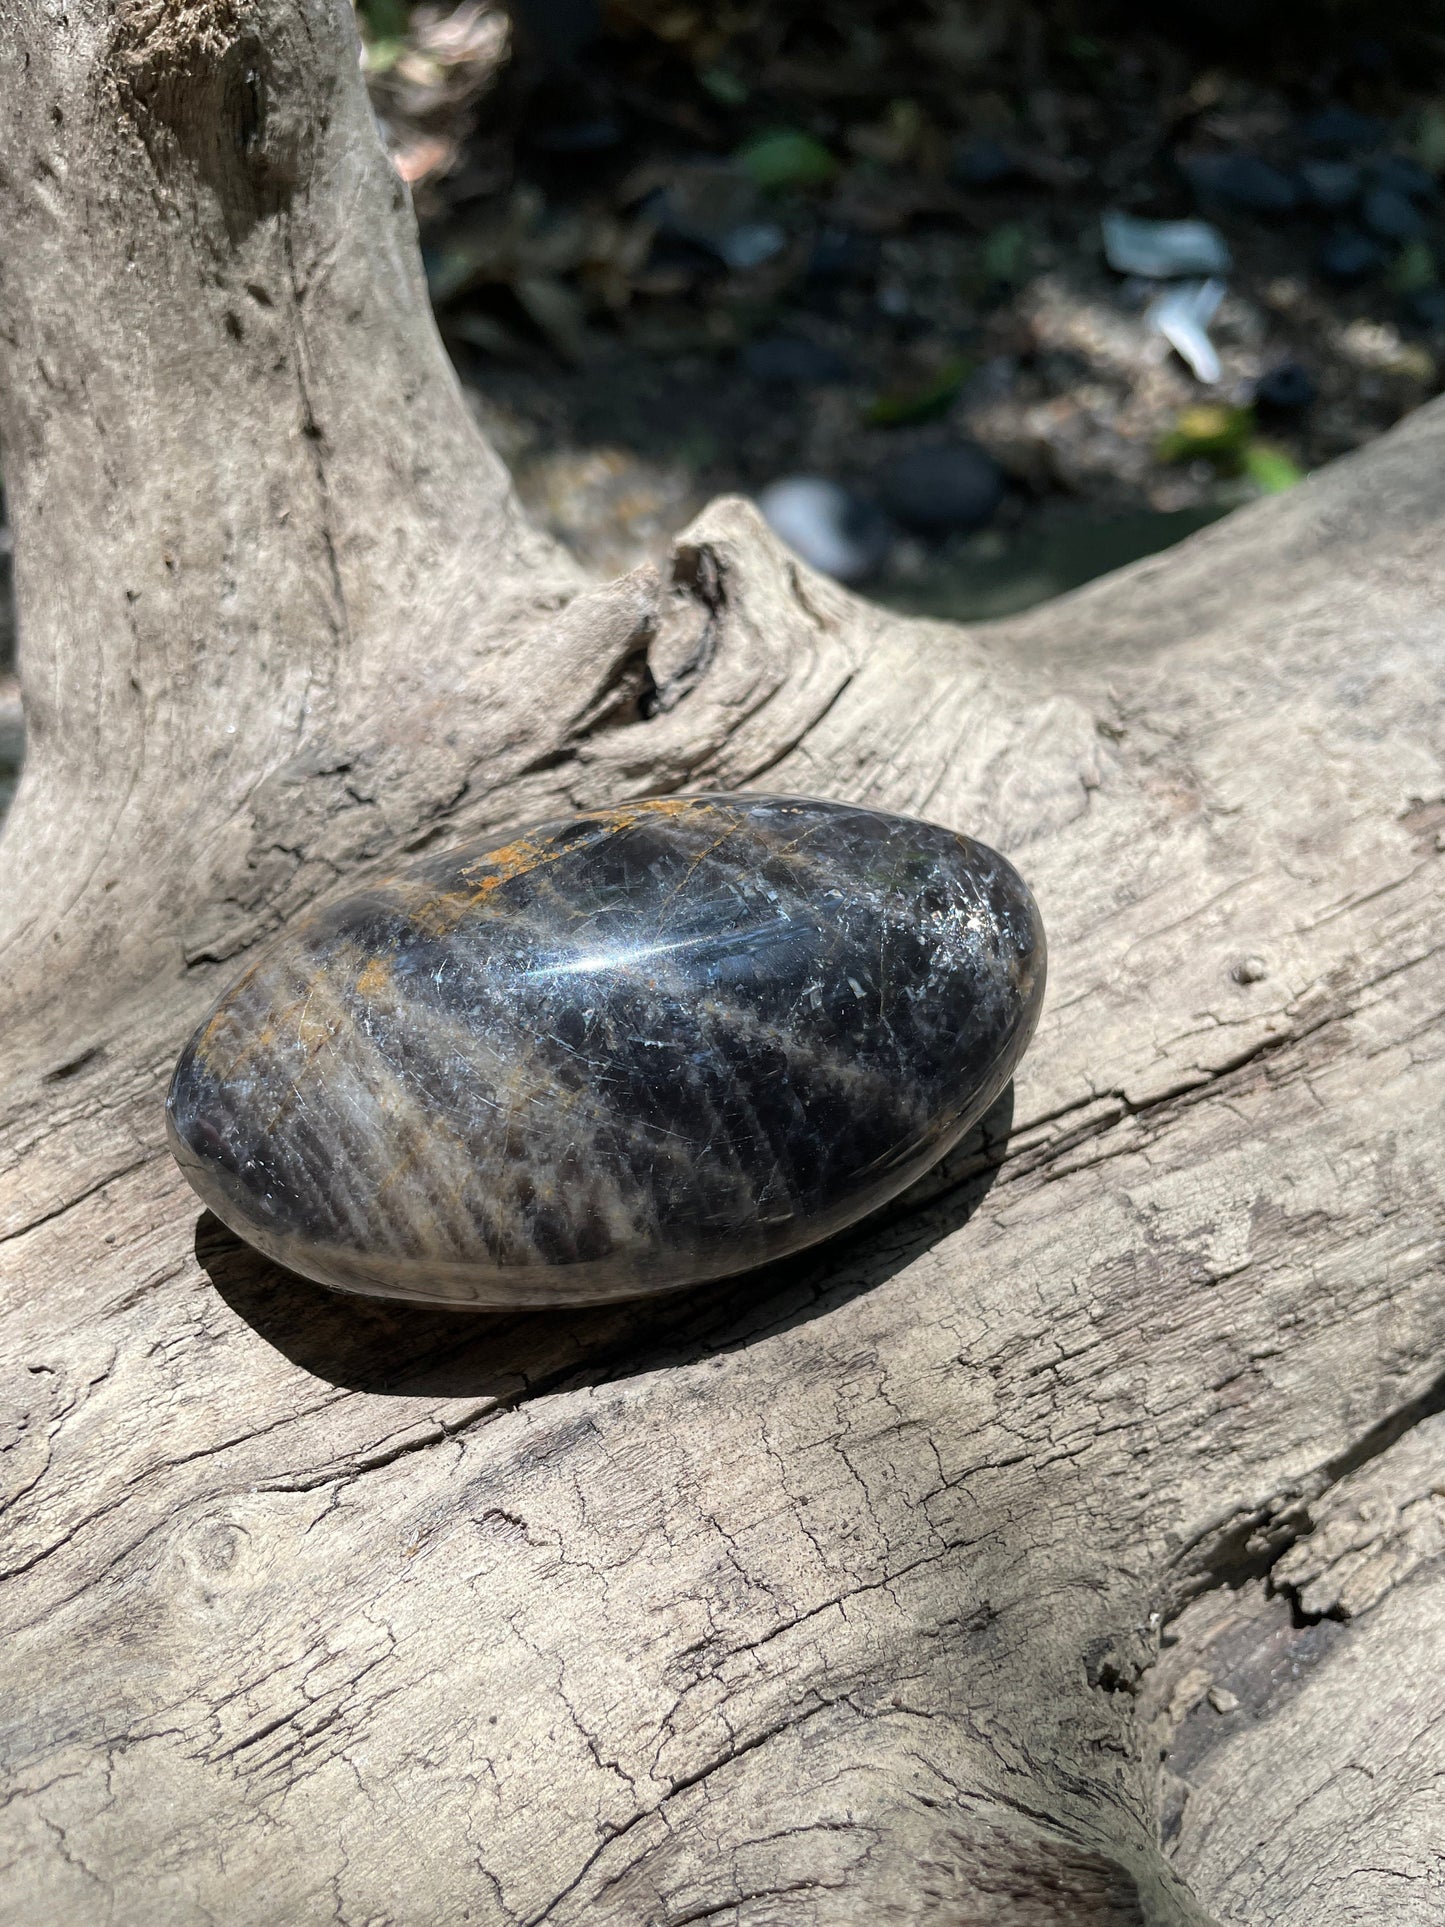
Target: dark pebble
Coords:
[[1425, 309], [1286, 389], [675, 253], [1242, 181], [617, 1054], [983, 163], [937, 491], [787, 361], [841, 255], [712, 210], [1331, 185], [1404, 176], [1340, 130], [1391, 216], [1347, 257]]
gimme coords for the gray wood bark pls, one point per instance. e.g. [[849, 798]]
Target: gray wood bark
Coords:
[[1063, 1547]]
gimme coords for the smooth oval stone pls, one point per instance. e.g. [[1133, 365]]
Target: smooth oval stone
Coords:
[[617, 1054]]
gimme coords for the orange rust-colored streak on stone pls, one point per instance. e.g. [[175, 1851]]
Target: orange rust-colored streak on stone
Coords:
[[375, 978], [209, 1041], [440, 914], [210, 1044]]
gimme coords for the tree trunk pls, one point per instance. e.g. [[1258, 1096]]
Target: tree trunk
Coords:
[[1064, 1546]]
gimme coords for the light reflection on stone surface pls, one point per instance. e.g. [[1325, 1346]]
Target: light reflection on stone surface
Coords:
[[617, 1054]]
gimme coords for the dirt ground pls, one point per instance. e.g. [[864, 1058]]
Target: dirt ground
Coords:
[[925, 185]]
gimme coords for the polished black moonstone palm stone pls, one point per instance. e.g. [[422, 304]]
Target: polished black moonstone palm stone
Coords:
[[617, 1054]]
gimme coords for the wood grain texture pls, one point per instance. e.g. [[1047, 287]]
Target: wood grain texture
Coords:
[[1061, 1547]]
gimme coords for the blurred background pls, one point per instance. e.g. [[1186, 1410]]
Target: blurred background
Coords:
[[977, 298]]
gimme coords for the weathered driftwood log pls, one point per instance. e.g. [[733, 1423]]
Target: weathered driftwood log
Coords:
[[1065, 1547]]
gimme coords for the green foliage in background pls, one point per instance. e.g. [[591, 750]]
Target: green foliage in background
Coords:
[[787, 158], [384, 19], [1225, 436], [924, 401]]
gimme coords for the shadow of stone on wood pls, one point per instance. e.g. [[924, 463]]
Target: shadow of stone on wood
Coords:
[[371, 1345]]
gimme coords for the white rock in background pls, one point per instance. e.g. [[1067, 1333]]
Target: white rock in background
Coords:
[[830, 529], [1162, 249], [1183, 316]]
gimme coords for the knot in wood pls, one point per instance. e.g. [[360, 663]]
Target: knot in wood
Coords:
[[200, 82]]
